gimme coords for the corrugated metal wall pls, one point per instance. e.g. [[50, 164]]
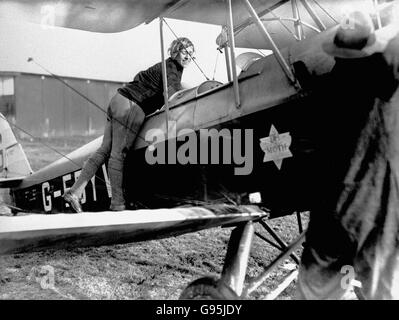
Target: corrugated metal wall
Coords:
[[47, 107]]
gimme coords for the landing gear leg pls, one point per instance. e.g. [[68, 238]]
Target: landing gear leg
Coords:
[[230, 285], [236, 261]]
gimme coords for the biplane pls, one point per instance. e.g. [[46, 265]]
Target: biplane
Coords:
[[254, 130]]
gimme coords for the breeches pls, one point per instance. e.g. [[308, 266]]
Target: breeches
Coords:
[[123, 124]]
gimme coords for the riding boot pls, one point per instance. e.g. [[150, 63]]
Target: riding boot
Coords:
[[115, 172]]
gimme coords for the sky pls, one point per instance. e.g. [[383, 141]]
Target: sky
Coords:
[[116, 56]]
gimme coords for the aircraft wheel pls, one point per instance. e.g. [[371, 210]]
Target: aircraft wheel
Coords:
[[208, 289]]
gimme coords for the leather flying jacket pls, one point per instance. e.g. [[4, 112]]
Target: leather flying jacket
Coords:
[[146, 89]]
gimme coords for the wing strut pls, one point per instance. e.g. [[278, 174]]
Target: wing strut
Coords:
[[375, 4], [232, 55], [297, 23], [266, 35], [314, 15], [222, 41], [227, 58], [164, 78]]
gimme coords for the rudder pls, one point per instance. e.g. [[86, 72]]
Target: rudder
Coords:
[[14, 164]]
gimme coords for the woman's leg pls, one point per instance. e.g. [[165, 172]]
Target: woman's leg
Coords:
[[127, 118], [72, 196]]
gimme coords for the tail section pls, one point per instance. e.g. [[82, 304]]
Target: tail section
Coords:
[[14, 165]]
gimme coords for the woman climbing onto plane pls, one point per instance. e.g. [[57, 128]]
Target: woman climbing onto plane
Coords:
[[125, 115]]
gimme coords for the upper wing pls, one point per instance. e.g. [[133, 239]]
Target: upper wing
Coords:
[[118, 15], [121, 15], [89, 15]]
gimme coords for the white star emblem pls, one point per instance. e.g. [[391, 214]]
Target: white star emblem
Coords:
[[276, 147]]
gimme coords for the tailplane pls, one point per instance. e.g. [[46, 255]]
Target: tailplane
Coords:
[[14, 165]]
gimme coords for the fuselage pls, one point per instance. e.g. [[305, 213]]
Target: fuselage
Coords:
[[267, 100]]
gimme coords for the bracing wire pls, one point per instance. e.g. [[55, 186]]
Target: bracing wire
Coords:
[[283, 24], [84, 97], [58, 152], [260, 52], [216, 64], [199, 68], [325, 11], [45, 144], [50, 147]]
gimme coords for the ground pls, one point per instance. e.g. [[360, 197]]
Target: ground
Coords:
[[158, 269]]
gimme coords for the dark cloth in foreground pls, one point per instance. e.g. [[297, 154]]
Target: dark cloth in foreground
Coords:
[[356, 221]]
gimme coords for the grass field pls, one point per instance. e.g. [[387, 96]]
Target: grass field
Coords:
[[148, 270]]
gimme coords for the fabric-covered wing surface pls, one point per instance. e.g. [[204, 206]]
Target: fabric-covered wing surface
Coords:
[[90, 15], [121, 15]]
